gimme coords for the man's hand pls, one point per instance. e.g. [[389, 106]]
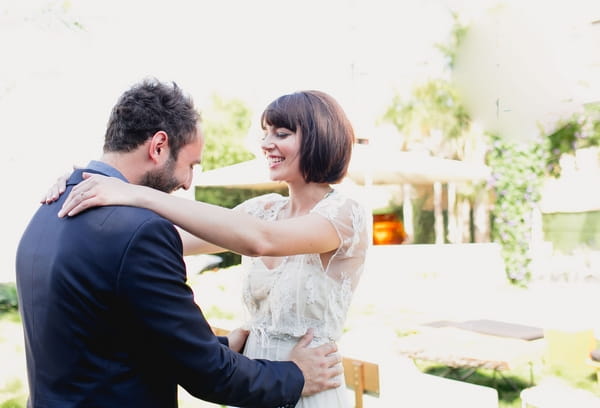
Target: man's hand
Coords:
[[319, 365]]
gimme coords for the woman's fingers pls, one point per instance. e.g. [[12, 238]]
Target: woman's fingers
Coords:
[[97, 190], [80, 198], [56, 190], [50, 196]]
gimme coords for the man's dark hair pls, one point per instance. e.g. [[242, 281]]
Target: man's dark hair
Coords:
[[149, 107], [325, 132]]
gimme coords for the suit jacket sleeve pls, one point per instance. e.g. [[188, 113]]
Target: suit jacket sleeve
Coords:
[[173, 331]]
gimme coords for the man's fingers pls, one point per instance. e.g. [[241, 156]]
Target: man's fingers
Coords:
[[334, 376], [333, 359], [334, 382], [306, 339], [337, 369], [327, 349]]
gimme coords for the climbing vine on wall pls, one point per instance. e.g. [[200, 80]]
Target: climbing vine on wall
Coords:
[[516, 178]]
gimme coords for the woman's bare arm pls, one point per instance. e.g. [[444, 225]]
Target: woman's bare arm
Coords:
[[223, 227], [192, 245]]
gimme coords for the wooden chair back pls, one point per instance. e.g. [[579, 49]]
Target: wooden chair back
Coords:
[[362, 377]]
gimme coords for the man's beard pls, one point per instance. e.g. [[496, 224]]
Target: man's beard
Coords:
[[162, 179]]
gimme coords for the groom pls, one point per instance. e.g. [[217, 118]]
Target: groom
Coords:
[[109, 319]]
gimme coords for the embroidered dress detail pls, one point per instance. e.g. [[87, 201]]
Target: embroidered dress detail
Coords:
[[299, 293]]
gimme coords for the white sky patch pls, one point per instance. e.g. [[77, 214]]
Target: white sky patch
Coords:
[[58, 82]]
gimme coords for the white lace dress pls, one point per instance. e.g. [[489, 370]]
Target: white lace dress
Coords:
[[300, 293]]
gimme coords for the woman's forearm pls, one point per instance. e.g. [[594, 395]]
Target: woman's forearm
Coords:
[[192, 245], [225, 228], [220, 228]]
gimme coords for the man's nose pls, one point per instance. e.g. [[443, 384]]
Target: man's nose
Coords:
[[188, 182]]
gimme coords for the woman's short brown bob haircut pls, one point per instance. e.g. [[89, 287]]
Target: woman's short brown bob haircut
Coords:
[[326, 135]]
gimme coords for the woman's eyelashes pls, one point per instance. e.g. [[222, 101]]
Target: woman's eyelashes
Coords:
[[283, 132], [278, 134]]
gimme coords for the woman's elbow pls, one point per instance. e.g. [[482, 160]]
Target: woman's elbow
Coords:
[[258, 246], [255, 251]]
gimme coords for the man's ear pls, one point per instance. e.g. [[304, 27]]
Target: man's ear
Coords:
[[158, 149]]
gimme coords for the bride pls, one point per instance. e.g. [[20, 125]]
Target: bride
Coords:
[[304, 253]]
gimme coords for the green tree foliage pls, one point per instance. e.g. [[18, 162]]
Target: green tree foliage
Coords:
[[225, 124], [433, 116], [581, 130], [457, 35]]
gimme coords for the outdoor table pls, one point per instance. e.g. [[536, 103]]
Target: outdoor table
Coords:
[[457, 347]]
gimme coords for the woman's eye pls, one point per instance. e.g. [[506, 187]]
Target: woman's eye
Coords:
[[280, 134]]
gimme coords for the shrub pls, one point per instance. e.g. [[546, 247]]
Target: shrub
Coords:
[[8, 297]]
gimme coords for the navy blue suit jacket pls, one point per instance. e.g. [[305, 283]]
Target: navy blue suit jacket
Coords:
[[110, 321]]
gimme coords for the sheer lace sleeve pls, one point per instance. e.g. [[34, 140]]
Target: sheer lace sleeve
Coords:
[[350, 221]]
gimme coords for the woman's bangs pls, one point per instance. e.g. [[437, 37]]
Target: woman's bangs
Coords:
[[279, 114]]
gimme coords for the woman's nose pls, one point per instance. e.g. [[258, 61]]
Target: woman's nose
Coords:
[[267, 143]]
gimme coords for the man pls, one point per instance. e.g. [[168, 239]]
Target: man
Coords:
[[109, 319]]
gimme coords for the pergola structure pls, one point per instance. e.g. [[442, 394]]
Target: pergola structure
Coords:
[[377, 166]]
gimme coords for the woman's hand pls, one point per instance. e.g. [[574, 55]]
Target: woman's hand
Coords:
[[58, 187], [56, 190], [97, 190], [237, 339]]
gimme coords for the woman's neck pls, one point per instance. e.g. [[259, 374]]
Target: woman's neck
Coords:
[[303, 197]]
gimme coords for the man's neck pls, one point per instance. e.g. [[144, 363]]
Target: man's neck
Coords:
[[129, 164]]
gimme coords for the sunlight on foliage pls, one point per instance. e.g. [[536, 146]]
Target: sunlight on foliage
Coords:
[[225, 125], [517, 171]]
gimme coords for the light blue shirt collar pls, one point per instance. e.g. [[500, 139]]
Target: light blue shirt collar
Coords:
[[106, 169]]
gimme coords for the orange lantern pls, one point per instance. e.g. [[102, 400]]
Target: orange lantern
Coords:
[[387, 230]]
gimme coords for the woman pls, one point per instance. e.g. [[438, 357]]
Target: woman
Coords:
[[304, 253]]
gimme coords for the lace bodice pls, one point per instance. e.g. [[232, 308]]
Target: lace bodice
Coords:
[[299, 293]]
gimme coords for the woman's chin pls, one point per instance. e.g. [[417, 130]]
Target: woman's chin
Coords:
[[277, 179], [274, 175]]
